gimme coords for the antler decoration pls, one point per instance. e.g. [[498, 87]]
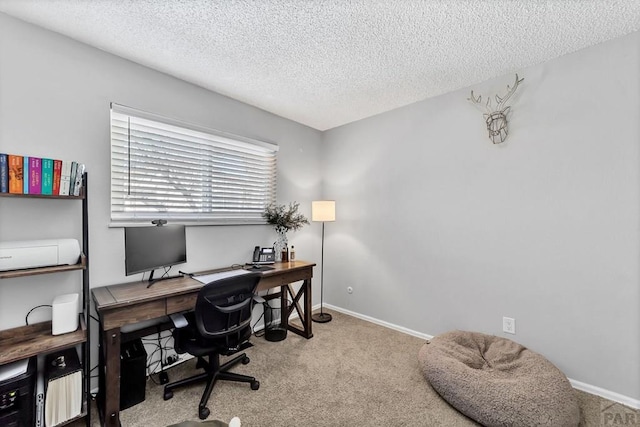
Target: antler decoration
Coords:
[[496, 119]]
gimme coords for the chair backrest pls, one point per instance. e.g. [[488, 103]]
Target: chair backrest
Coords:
[[223, 308]]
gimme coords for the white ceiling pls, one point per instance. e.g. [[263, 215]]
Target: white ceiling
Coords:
[[325, 63]]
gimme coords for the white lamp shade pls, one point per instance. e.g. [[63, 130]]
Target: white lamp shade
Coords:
[[323, 210]]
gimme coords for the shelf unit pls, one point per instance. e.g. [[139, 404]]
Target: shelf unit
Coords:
[[26, 341]]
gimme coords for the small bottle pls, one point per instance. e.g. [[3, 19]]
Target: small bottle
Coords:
[[292, 254], [285, 254]]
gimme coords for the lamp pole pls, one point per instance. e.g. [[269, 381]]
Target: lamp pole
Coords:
[[321, 317], [322, 210]]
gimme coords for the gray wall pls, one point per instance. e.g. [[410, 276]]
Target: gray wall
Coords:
[[54, 102], [438, 229]]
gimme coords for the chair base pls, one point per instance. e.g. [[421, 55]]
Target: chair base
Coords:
[[213, 372]]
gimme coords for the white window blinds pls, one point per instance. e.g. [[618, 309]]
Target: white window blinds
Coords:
[[164, 169]]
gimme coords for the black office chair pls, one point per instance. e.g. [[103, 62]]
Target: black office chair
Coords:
[[220, 325]]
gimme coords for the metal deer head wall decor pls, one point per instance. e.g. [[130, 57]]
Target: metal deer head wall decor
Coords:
[[496, 118]]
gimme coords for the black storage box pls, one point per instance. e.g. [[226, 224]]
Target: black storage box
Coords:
[[133, 375], [17, 397]]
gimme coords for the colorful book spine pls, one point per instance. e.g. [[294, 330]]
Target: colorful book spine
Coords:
[[35, 175], [25, 174], [57, 170], [65, 177], [47, 176], [4, 174], [16, 177]]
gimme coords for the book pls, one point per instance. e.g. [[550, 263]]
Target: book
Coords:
[[65, 177], [25, 174], [35, 175], [72, 177], [57, 170], [63, 387], [47, 176], [78, 184], [16, 176], [4, 174]]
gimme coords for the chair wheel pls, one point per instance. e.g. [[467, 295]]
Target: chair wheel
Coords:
[[168, 394], [245, 360], [255, 385], [203, 413]]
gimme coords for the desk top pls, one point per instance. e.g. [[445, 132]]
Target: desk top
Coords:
[[124, 294]]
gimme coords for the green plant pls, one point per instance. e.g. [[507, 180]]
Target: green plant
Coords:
[[284, 218]]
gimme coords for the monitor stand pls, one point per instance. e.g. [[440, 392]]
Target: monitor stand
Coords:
[[152, 280]]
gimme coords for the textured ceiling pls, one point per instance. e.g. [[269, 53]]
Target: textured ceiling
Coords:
[[327, 63]]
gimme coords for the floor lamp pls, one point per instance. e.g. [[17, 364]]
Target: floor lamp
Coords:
[[322, 211]]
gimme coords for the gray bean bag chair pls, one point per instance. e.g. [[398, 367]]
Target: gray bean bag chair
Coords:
[[498, 382]]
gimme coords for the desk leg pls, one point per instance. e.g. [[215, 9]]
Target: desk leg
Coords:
[[307, 308], [303, 314], [111, 348], [284, 302]]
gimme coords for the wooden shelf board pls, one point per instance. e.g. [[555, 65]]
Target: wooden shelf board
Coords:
[[43, 196], [45, 270], [26, 341]]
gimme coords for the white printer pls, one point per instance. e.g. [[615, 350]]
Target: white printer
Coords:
[[22, 254]]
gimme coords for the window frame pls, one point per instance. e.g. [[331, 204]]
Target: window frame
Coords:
[[228, 179]]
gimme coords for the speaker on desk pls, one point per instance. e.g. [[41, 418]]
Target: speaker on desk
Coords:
[[133, 376]]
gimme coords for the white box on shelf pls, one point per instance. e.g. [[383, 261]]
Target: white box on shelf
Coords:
[[22, 254], [64, 317]]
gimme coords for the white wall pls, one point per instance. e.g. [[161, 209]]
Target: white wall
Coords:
[[438, 229], [54, 102]]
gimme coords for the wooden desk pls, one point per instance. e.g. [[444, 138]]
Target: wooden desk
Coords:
[[128, 303]]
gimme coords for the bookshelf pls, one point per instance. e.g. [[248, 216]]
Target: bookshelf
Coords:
[[32, 340]]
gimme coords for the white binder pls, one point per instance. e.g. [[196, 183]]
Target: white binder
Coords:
[[63, 382]]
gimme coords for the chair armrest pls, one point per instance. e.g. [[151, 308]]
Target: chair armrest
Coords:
[[179, 320]]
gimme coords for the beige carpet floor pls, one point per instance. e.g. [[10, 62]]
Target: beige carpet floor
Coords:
[[351, 373]]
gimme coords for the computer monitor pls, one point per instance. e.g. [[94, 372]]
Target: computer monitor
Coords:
[[149, 248]]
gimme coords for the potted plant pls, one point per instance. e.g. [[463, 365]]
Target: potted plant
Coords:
[[283, 218]]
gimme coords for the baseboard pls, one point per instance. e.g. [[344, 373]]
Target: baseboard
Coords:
[[607, 394], [587, 388], [378, 322]]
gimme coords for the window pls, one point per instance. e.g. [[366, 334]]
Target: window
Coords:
[[164, 169]]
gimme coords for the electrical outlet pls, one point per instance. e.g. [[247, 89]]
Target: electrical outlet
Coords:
[[349, 290], [509, 325]]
